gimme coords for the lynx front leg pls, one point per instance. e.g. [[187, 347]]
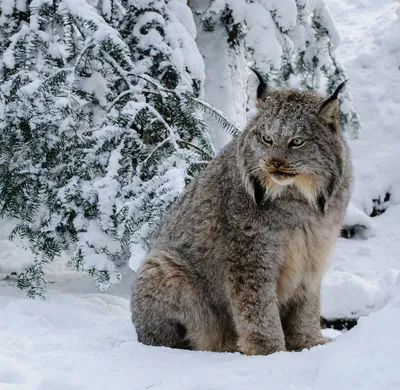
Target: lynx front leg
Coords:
[[301, 321], [254, 303]]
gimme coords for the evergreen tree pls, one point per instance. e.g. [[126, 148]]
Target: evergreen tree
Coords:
[[98, 138], [101, 117], [291, 42], [157, 124], [56, 80]]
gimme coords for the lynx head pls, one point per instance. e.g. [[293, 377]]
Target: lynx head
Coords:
[[293, 143]]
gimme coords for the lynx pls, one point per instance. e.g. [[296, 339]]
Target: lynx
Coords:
[[238, 262]]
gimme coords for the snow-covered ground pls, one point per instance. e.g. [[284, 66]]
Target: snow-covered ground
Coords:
[[80, 339], [71, 342]]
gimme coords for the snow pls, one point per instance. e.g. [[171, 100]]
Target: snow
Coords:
[[326, 19], [80, 339], [221, 67], [182, 30], [8, 7], [256, 39], [371, 55], [76, 342], [97, 85], [107, 188], [364, 270], [262, 36], [364, 224], [137, 256], [286, 12]]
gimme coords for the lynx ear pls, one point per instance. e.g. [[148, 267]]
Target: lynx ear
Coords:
[[329, 110], [262, 86]]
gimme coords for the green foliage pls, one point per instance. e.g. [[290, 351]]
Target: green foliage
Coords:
[[100, 131]]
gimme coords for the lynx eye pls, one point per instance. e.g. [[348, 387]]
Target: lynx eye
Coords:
[[266, 139], [296, 142]]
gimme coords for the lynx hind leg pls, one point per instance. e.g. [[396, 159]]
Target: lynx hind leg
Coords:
[[168, 309], [156, 306]]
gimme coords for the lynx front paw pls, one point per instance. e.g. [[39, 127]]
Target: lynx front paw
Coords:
[[256, 344], [299, 343]]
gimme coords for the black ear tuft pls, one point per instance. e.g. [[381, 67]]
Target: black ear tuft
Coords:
[[333, 97], [329, 109], [262, 86], [338, 89]]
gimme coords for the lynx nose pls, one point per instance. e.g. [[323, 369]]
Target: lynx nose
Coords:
[[276, 163]]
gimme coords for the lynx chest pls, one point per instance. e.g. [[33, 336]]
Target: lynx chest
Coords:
[[307, 250]]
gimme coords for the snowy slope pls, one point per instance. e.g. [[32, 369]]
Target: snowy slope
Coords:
[[363, 272], [370, 51], [71, 342]]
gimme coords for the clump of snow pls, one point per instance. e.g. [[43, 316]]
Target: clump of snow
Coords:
[[97, 85], [324, 15], [285, 13], [184, 15], [107, 188], [262, 36], [346, 294], [138, 253], [8, 7], [362, 224]]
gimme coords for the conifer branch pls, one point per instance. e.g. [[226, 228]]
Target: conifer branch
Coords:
[[122, 72], [223, 120]]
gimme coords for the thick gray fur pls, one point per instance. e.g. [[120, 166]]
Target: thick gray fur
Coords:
[[237, 264]]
